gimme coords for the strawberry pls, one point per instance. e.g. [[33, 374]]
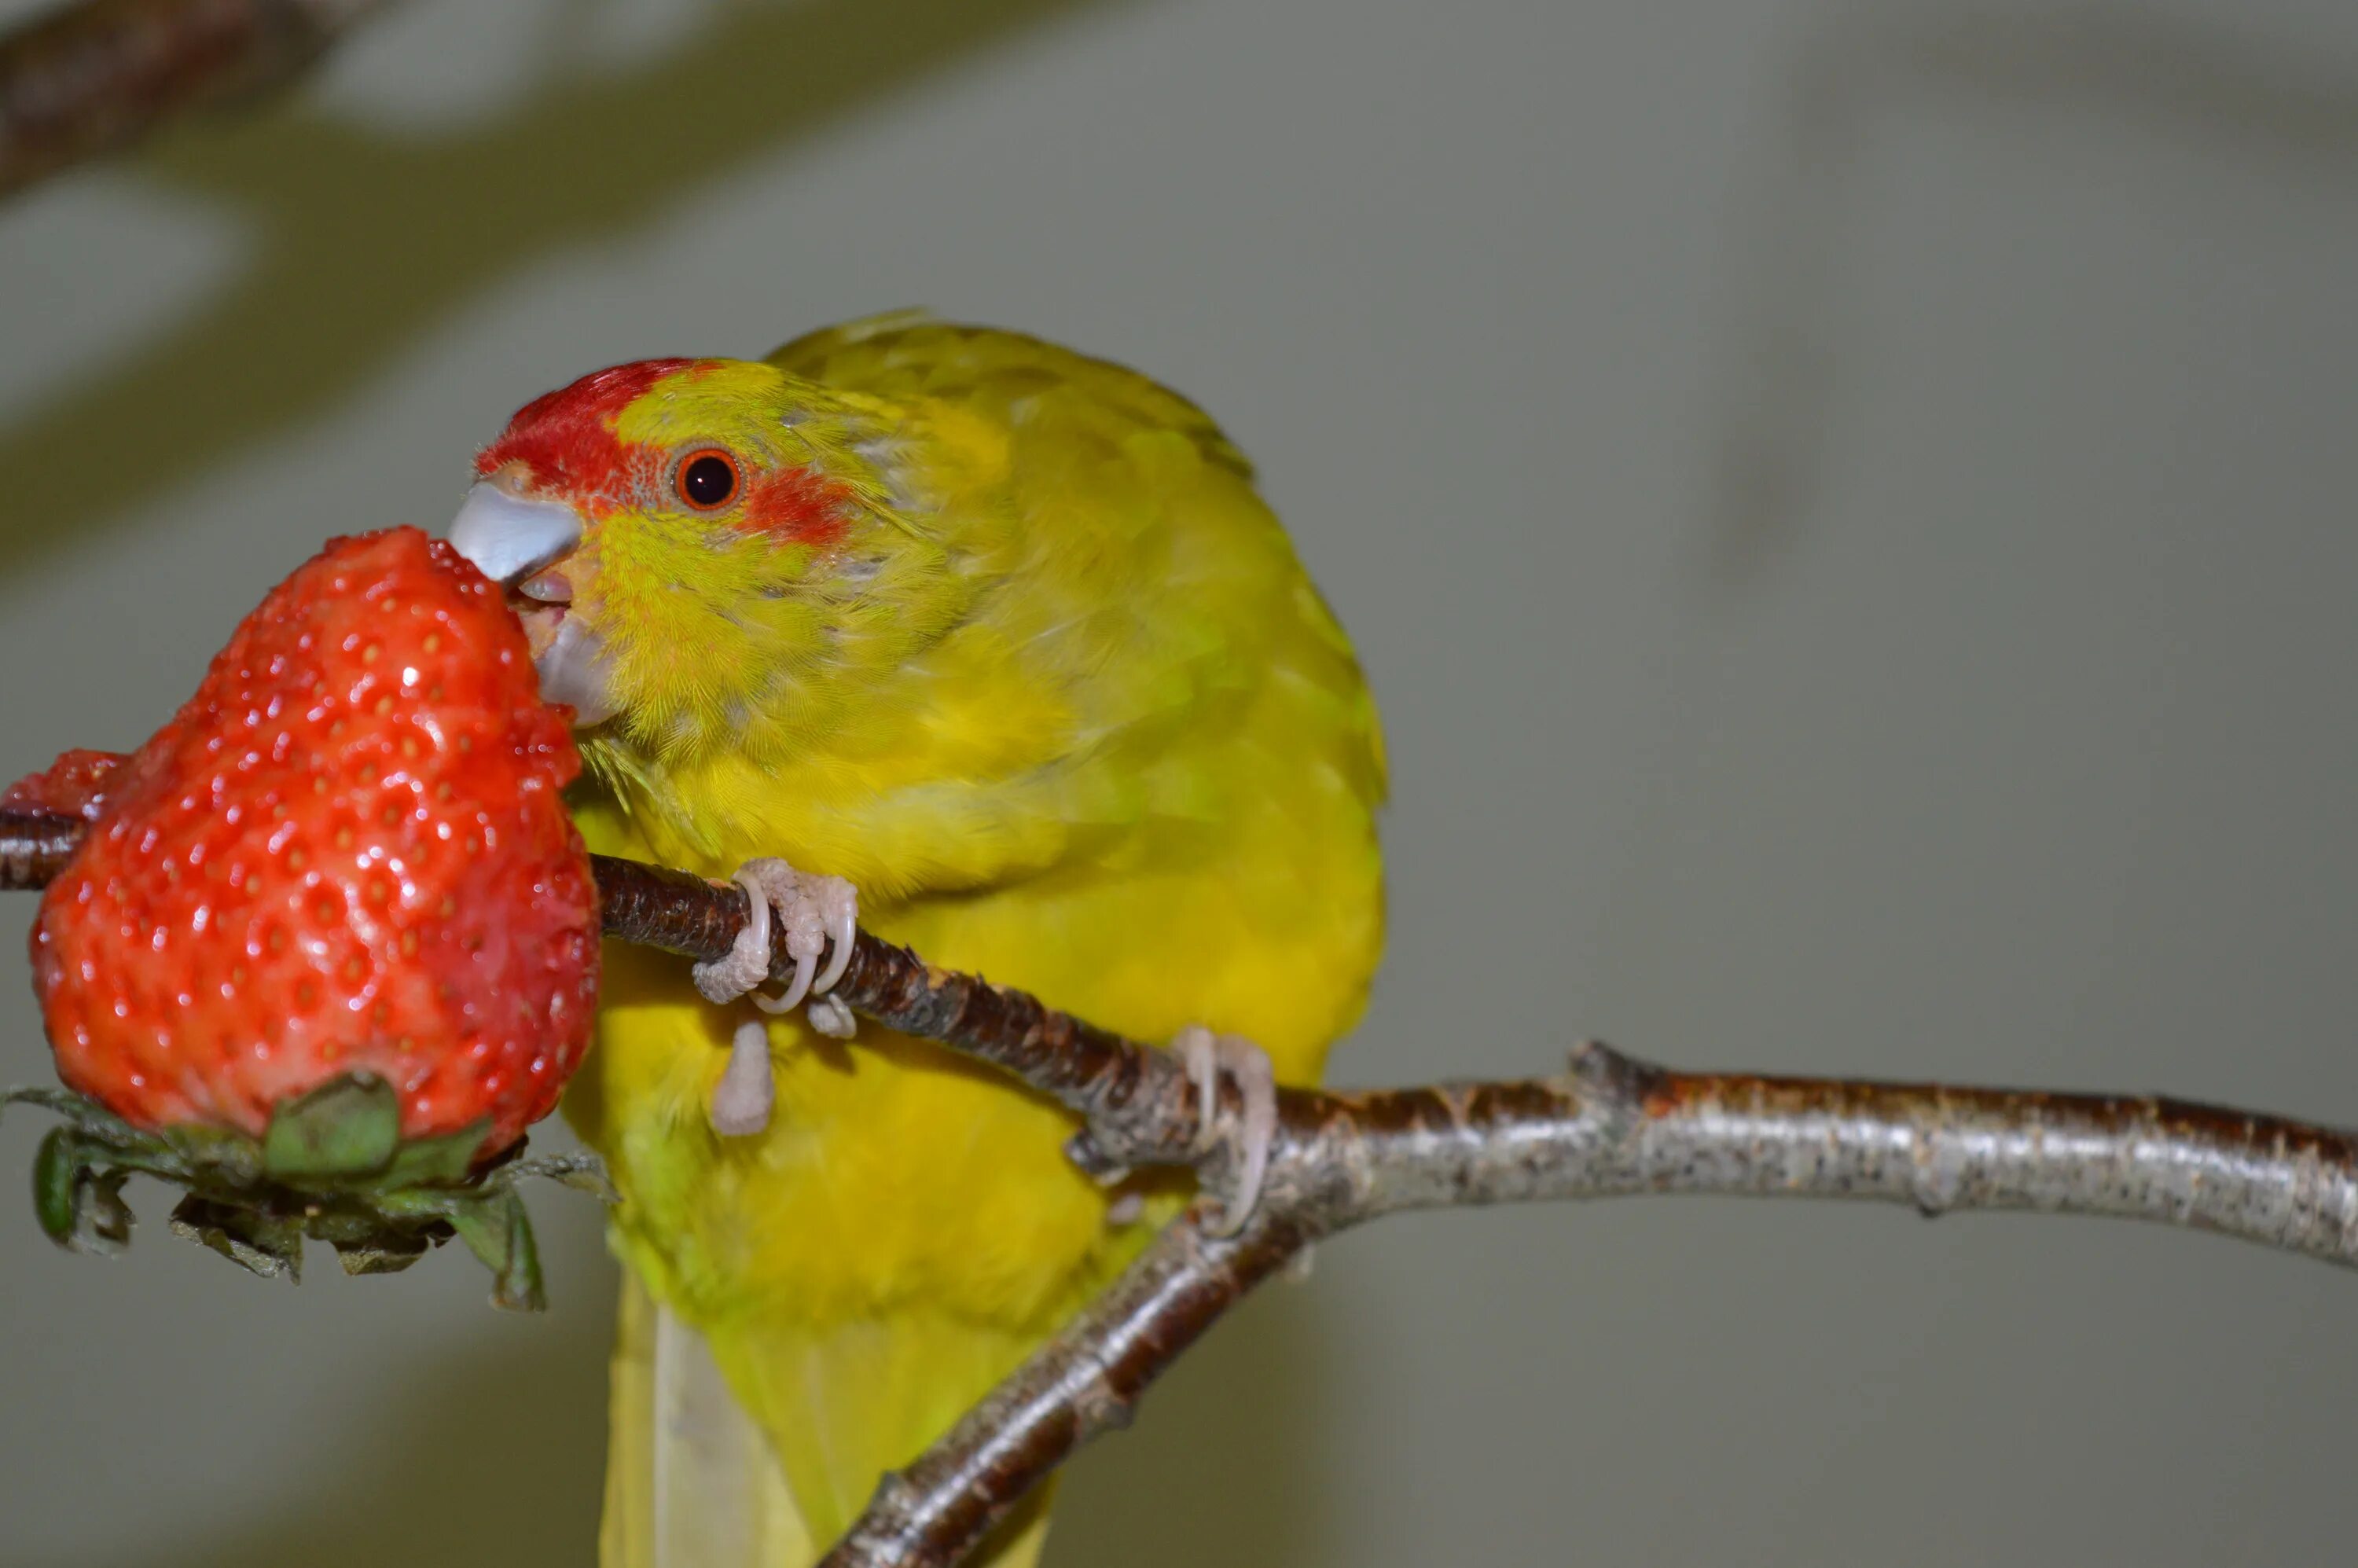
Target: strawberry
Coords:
[[73, 785], [344, 860]]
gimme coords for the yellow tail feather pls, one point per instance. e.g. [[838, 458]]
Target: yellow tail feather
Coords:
[[691, 1481]]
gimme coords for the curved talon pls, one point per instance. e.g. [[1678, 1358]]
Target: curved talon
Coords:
[[756, 933], [830, 1017], [757, 920], [842, 912], [1258, 1082], [804, 964], [1206, 1057], [1198, 1052], [748, 963]]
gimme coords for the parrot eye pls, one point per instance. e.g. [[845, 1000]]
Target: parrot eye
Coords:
[[707, 480]]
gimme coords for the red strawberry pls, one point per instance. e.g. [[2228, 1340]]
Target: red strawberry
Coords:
[[73, 785], [346, 853]]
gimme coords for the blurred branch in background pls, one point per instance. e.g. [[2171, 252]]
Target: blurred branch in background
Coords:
[[1611, 1126], [325, 201], [88, 79]]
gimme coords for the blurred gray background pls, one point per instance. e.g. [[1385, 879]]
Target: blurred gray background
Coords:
[[1847, 511]]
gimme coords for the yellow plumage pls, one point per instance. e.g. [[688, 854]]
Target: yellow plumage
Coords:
[[1051, 689]]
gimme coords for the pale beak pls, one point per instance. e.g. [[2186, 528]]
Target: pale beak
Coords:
[[508, 536]]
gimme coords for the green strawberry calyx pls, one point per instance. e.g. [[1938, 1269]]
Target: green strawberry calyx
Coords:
[[331, 1166]]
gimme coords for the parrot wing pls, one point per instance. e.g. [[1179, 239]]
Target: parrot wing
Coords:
[[902, 355]]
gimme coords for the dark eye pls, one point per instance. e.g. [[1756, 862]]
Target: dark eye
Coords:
[[707, 480]]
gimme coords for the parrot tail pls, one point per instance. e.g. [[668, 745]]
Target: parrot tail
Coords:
[[693, 1481]]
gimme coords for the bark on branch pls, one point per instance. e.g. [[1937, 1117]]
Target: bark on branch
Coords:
[[1609, 1126], [86, 79]]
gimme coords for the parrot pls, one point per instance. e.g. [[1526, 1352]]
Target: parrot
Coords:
[[994, 647]]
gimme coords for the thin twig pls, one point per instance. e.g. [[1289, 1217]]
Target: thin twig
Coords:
[[35, 847], [87, 79], [1085, 1382], [1124, 1091], [1610, 1126]]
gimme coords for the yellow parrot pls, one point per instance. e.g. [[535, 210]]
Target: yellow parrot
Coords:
[[1002, 637]]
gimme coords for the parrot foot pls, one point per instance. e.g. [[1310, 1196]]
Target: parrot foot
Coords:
[[827, 1015], [813, 910], [1207, 1058], [742, 1100]]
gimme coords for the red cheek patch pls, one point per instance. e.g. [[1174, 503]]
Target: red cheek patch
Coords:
[[796, 503]]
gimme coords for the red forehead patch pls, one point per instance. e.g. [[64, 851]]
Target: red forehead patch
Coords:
[[566, 441], [566, 437]]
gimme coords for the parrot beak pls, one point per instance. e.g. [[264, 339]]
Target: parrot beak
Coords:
[[512, 538]]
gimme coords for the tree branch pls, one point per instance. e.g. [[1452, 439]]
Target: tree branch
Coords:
[[90, 78], [1610, 1126], [35, 847], [1613, 1126], [1085, 1382]]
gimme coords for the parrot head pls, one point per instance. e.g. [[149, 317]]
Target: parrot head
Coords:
[[701, 547]]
